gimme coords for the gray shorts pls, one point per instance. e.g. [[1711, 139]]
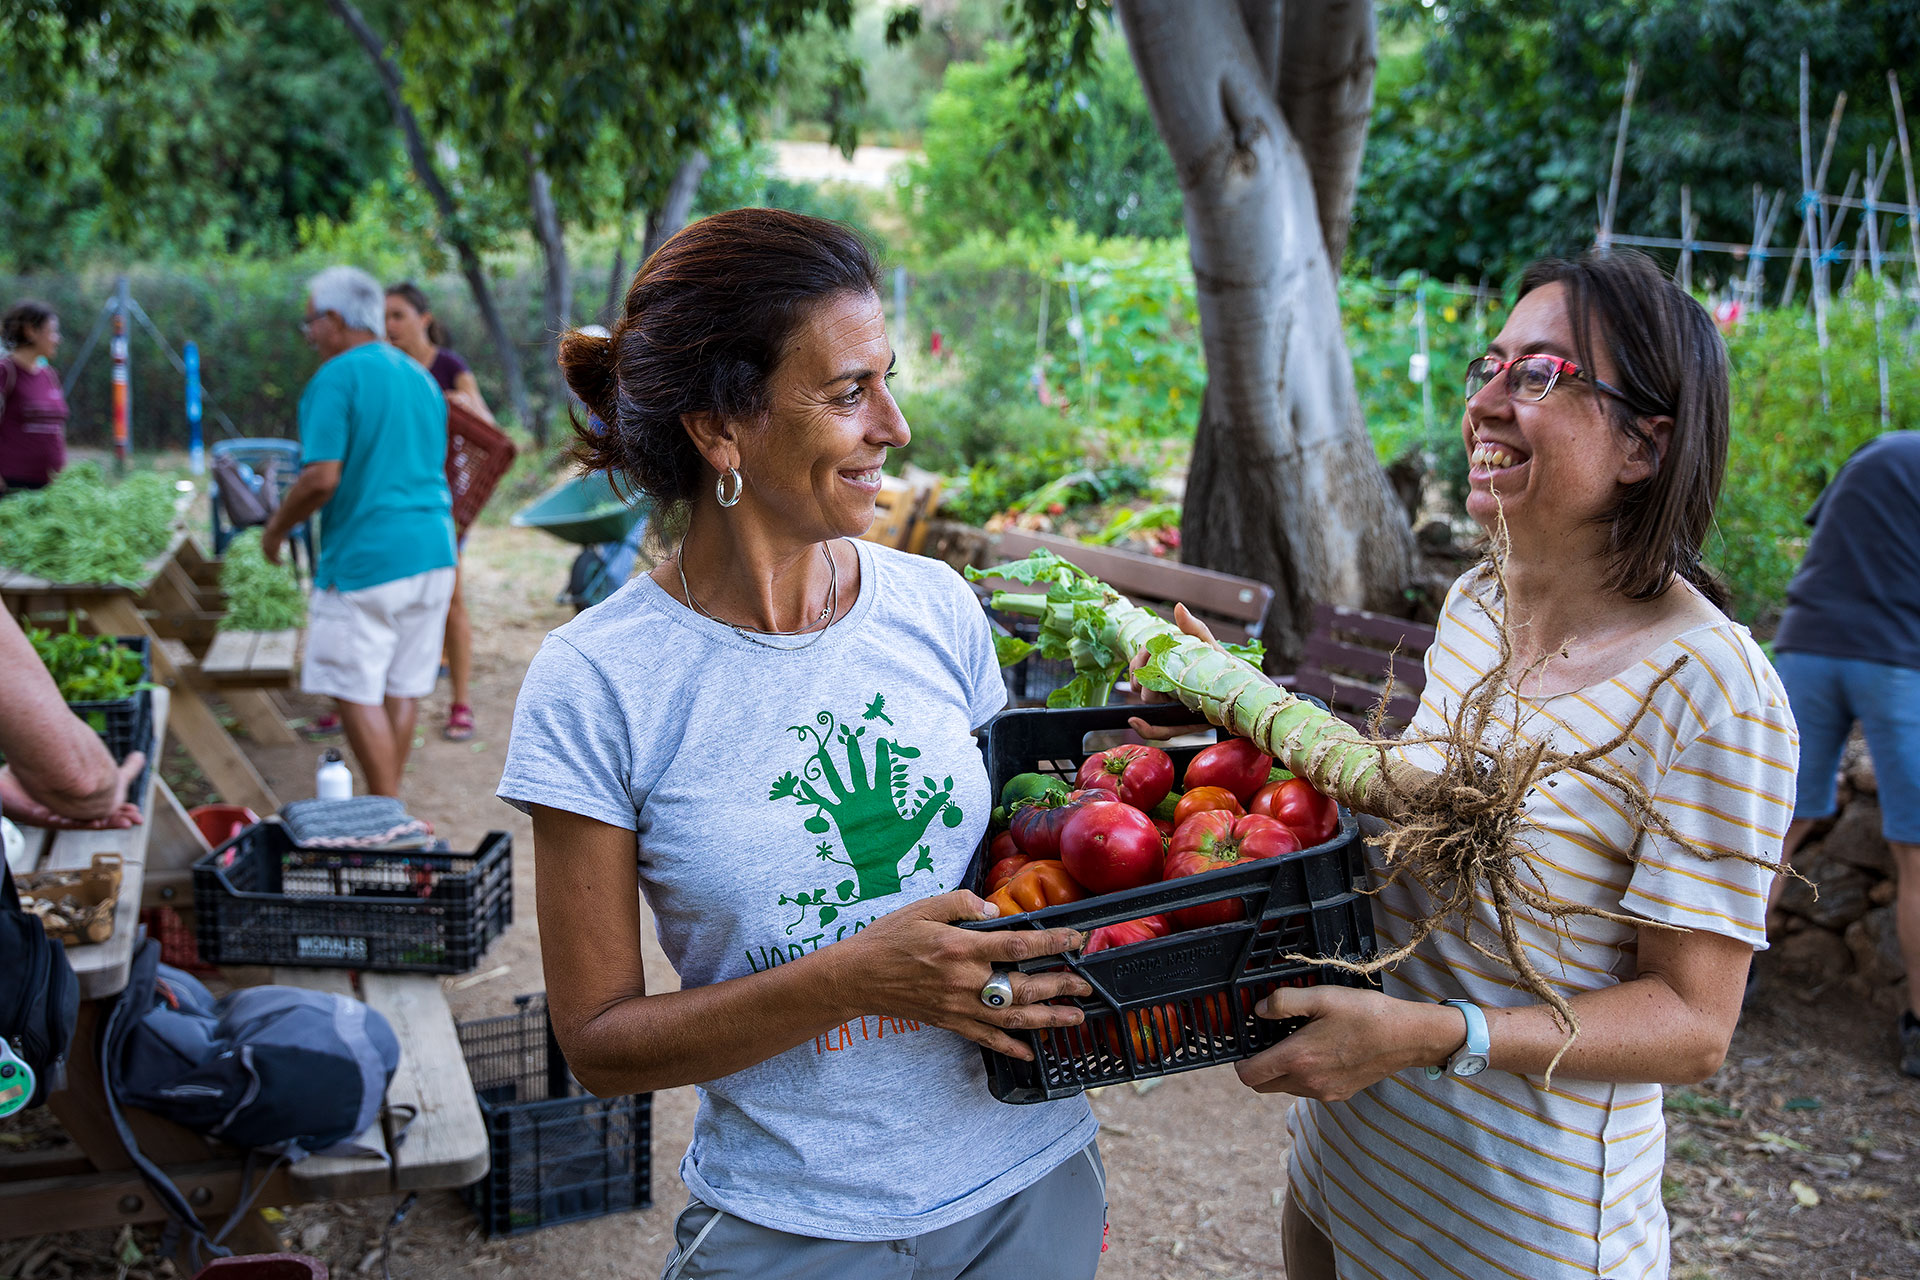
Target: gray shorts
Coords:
[[1055, 1228]]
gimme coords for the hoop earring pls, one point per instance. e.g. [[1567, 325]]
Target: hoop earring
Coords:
[[720, 487]]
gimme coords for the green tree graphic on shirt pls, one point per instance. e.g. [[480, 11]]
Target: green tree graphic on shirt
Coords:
[[861, 792]]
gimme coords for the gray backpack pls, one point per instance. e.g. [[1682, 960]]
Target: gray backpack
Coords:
[[279, 1070]]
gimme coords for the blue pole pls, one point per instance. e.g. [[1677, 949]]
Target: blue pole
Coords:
[[196, 453]]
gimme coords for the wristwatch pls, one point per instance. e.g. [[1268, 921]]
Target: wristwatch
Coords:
[[1471, 1059]]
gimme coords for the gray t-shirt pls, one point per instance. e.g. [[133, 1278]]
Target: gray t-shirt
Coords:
[[783, 801]]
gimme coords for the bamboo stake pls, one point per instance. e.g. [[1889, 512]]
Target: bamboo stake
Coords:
[[1906, 163], [1687, 228], [1811, 183], [1875, 179], [1765, 212], [1619, 156]]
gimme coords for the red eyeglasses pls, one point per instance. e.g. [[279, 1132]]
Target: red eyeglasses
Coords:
[[1531, 377]]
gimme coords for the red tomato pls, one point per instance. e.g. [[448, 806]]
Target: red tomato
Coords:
[[1235, 764], [1163, 825], [1213, 840], [1002, 847], [1155, 1032], [1127, 932], [1141, 776], [1003, 870], [1108, 847], [1304, 811], [1204, 800], [1036, 826]]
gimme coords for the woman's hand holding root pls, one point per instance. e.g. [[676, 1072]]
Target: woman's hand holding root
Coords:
[[912, 963], [1353, 1038]]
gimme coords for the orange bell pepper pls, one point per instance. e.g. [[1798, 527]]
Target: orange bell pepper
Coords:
[[1038, 884]]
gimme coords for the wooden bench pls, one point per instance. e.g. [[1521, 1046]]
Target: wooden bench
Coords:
[[431, 1127], [905, 504], [1235, 608], [253, 659], [1349, 656]]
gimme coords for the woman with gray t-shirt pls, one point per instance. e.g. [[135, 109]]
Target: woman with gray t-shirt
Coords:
[[770, 737]]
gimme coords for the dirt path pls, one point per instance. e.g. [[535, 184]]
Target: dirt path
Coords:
[[1196, 1163]]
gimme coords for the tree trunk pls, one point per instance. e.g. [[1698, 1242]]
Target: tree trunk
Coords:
[[617, 276], [1284, 486], [671, 215], [450, 225], [558, 314]]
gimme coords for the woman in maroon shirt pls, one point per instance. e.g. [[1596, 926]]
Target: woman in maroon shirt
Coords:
[[33, 410], [412, 328]]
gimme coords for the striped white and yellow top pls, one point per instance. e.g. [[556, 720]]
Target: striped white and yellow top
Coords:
[[1495, 1175]]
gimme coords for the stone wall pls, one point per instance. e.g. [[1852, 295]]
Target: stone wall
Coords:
[[1838, 927]]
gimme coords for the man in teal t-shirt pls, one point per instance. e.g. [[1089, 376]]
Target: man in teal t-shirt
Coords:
[[373, 447]]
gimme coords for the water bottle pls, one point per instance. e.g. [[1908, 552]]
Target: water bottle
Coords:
[[333, 780]]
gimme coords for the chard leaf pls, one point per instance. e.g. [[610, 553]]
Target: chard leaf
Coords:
[[1008, 650]]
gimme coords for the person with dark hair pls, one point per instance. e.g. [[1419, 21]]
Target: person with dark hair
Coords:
[[770, 737], [1428, 1140], [1848, 650], [33, 408], [412, 327]]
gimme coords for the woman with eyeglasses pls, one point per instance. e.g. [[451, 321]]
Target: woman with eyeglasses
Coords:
[[1427, 1142]]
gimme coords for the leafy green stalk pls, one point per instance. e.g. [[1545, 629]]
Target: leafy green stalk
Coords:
[[1089, 623]]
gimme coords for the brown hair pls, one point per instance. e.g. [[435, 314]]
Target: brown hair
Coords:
[[409, 292], [706, 322], [22, 316], [1669, 361]]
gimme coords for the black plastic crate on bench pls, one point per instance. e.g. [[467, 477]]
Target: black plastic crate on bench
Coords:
[[126, 724], [261, 899], [558, 1153], [1184, 1001]]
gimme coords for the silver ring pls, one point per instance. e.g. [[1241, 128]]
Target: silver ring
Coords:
[[998, 993]]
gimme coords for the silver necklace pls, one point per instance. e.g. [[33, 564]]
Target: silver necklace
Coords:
[[818, 627]]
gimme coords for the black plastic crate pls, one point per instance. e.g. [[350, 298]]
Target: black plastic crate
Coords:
[[262, 899], [1184, 1001], [559, 1154], [126, 724]]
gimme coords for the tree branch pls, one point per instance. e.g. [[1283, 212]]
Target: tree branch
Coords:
[[451, 226], [1265, 22], [671, 215], [1326, 93]]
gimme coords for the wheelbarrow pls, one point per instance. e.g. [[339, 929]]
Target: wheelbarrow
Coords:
[[608, 526]]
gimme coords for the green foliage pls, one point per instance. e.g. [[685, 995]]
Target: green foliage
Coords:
[[219, 144], [260, 596], [995, 161], [1498, 153], [903, 69], [88, 668], [604, 96], [1787, 446], [79, 529]]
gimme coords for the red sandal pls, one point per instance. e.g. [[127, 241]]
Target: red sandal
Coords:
[[459, 723]]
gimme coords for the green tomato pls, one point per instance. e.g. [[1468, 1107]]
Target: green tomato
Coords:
[[1030, 786]]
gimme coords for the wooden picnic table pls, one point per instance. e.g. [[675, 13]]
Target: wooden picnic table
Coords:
[[445, 1145], [178, 607]]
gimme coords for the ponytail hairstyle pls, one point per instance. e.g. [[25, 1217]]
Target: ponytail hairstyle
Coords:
[[705, 324], [1669, 360], [409, 292], [21, 319]]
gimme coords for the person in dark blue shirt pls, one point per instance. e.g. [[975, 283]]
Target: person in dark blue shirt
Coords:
[[1848, 650]]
